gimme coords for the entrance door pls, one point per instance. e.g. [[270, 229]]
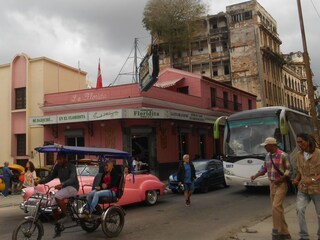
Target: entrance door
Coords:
[[140, 148], [143, 146], [74, 138]]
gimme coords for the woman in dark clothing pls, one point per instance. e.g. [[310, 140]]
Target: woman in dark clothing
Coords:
[[186, 176], [108, 187]]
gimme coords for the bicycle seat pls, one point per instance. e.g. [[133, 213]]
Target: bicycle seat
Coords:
[[104, 200]]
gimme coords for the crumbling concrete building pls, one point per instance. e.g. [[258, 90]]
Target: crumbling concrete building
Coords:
[[242, 47]]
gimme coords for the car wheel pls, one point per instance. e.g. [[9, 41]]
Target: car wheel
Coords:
[[151, 197]]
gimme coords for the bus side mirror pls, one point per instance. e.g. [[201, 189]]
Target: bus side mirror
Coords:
[[283, 123], [216, 133]]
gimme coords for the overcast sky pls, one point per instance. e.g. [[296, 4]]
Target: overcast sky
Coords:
[[80, 32]]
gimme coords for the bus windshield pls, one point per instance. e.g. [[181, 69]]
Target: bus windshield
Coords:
[[243, 137]]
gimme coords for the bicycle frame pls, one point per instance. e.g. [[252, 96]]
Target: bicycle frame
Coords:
[[111, 218]]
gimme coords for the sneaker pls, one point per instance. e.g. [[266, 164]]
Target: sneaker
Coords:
[[86, 214], [187, 203], [57, 230]]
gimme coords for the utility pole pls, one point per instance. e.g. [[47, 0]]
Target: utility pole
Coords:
[[306, 60], [135, 60]]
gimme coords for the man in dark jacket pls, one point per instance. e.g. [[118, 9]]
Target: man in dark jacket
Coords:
[[68, 187], [186, 176]]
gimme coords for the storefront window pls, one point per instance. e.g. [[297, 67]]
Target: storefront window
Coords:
[[183, 144]]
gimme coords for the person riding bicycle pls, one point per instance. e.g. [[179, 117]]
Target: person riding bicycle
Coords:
[[107, 187], [68, 187]]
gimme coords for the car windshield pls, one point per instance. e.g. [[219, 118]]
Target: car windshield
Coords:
[[200, 166], [86, 170]]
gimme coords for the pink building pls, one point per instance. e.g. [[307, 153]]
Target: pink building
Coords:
[[173, 118], [24, 82]]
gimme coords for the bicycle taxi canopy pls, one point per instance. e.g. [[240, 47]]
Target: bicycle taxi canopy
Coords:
[[105, 152]]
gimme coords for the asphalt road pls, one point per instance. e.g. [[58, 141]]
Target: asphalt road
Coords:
[[213, 215]]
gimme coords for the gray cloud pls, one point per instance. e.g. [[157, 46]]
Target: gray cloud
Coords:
[[84, 31]]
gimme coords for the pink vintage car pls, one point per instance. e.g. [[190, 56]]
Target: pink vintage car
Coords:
[[138, 188]]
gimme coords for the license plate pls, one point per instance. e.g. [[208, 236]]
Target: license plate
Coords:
[[250, 183]]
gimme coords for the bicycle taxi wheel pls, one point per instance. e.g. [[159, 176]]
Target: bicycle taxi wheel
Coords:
[[91, 226], [112, 221], [28, 229]]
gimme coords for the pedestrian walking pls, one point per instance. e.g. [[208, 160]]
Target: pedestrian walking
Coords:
[[7, 175], [30, 175], [308, 181], [186, 176], [277, 166]]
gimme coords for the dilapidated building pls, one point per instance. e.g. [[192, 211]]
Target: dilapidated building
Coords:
[[241, 47]]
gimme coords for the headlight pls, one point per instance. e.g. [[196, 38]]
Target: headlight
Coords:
[[170, 178], [227, 172], [198, 175], [52, 194]]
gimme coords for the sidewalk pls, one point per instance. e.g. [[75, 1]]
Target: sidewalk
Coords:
[[10, 200], [262, 230]]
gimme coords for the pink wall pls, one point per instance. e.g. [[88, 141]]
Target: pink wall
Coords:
[[199, 93], [105, 133], [19, 123], [19, 72]]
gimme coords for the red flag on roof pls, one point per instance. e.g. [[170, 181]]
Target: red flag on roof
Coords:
[[99, 78]]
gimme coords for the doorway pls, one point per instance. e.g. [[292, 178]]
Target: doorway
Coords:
[[140, 148], [141, 142], [74, 138]]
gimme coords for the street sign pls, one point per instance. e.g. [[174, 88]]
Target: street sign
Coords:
[[149, 70]]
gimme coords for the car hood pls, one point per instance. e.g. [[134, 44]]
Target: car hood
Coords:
[[174, 176], [84, 182]]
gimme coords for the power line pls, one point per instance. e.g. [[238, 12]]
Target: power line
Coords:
[[315, 8]]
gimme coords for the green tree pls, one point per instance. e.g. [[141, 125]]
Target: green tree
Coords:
[[173, 21]]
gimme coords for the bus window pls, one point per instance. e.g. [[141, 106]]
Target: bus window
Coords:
[[245, 136]]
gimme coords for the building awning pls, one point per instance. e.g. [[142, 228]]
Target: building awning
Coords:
[[168, 83]]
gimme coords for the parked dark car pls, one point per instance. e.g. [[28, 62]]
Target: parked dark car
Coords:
[[209, 173]]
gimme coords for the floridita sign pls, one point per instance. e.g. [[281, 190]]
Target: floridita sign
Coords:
[[145, 113]]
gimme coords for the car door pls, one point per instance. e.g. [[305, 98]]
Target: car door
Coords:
[[211, 171], [219, 174]]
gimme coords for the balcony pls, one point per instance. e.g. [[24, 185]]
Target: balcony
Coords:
[[224, 104]]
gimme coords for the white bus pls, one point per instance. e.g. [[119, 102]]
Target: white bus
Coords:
[[245, 131]]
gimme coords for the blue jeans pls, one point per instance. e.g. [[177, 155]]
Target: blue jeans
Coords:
[[6, 187], [93, 198], [303, 200]]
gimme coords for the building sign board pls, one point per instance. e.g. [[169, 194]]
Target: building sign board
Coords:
[[105, 115], [134, 113], [149, 70], [150, 113], [179, 115], [73, 117], [86, 97], [42, 120]]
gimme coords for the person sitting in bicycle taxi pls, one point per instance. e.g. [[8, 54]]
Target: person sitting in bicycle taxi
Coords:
[[105, 186], [68, 187]]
